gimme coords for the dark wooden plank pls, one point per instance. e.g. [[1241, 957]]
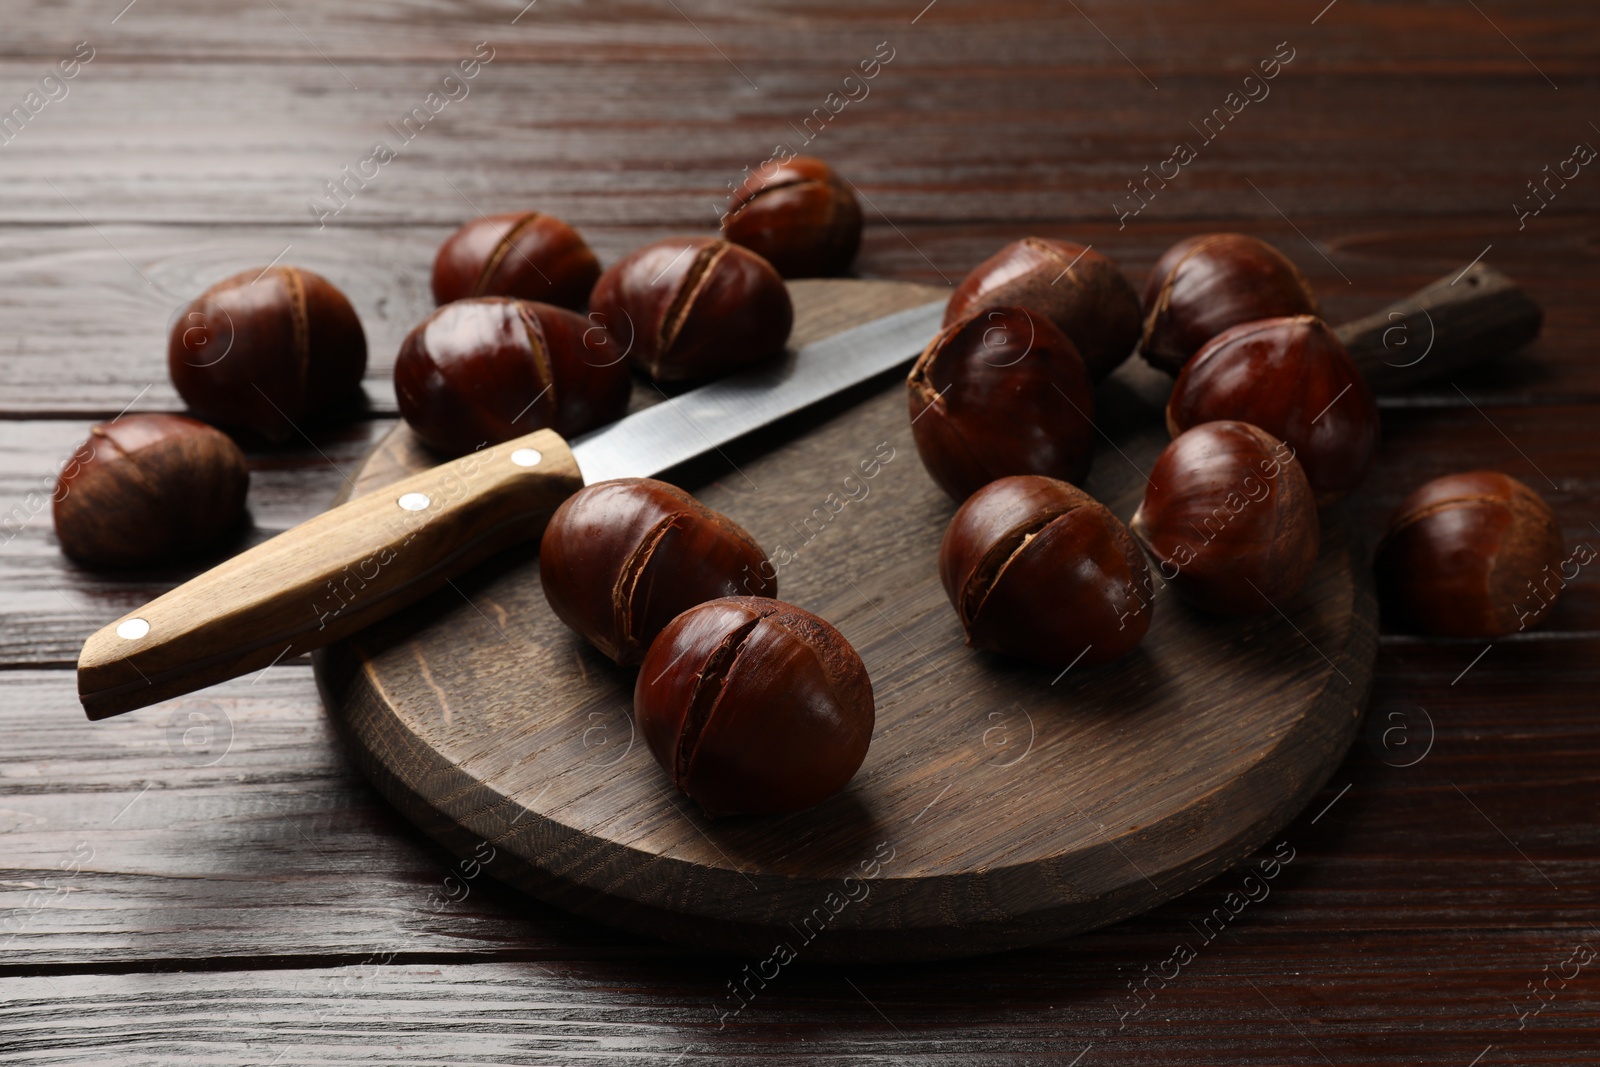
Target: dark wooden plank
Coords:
[[1406, 928], [108, 320]]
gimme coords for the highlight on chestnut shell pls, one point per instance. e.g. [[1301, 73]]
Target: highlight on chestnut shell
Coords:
[[523, 254], [1001, 392], [754, 706], [801, 217], [1075, 287], [480, 371], [1204, 284], [1474, 554], [148, 489], [1038, 569], [621, 559], [1292, 377], [269, 351], [692, 308], [1229, 519]]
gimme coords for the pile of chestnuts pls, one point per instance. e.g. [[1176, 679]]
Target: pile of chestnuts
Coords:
[[752, 705]]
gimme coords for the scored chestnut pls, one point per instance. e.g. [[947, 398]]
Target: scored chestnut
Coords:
[[1073, 286], [268, 350], [802, 218], [1038, 569], [621, 559], [1293, 378], [1476, 554], [524, 254], [148, 489], [1230, 519], [486, 370], [1001, 392], [754, 706], [1203, 285], [688, 308]]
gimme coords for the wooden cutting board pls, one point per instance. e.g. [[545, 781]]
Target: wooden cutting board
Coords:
[[999, 806]]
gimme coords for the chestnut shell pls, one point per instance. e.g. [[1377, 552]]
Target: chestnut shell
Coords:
[[1293, 378], [1229, 519], [802, 218], [269, 351], [1475, 554], [690, 308], [754, 706], [620, 559], [1038, 569], [1001, 392], [522, 254], [1202, 285], [147, 489], [1073, 286], [482, 371]]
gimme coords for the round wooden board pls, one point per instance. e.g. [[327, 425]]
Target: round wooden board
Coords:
[[999, 805]]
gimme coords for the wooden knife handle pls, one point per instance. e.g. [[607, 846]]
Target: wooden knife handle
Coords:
[[328, 577], [1447, 326]]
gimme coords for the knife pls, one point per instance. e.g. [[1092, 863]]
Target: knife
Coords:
[[363, 560]]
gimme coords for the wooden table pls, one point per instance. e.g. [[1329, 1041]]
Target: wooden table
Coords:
[[210, 881]]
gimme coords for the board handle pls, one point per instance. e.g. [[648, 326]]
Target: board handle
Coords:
[[1449, 325], [329, 576]]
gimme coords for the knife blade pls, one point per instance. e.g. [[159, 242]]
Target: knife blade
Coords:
[[363, 560]]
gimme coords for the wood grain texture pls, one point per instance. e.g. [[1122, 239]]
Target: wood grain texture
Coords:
[[1060, 805]]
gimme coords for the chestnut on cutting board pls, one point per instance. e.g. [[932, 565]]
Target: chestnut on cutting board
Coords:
[[621, 559], [1073, 286], [147, 489], [691, 308], [1230, 519], [482, 371], [1475, 554], [269, 351], [1038, 569], [754, 706]]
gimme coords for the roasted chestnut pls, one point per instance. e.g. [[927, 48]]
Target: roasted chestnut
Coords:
[[754, 706], [1476, 554], [1229, 519], [482, 371], [1293, 378], [148, 489], [1038, 569], [268, 350], [1001, 392], [524, 254], [689, 308], [621, 559], [1203, 285], [802, 218], [1073, 286]]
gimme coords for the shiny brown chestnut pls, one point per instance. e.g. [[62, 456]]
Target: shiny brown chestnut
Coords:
[[689, 308], [269, 351], [1230, 519], [481, 371], [1476, 554], [146, 489], [1293, 378], [801, 217], [1038, 569], [754, 706], [1002, 392], [1203, 285], [524, 254], [621, 559], [1073, 286]]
